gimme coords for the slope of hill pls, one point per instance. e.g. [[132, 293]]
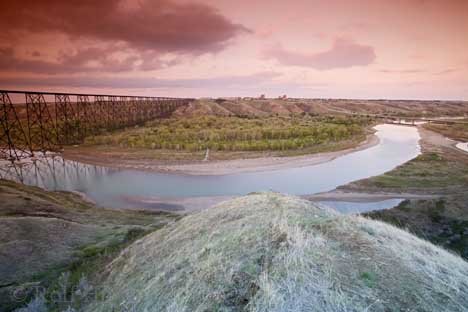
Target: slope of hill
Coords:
[[43, 234], [257, 107], [202, 108], [270, 252], [241, 108]]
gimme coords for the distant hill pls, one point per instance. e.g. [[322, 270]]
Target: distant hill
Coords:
[[258, 107], [271, 252]]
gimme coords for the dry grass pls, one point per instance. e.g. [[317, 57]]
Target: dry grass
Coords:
[[455, 131], [443, 221], [430, 172], [270, 252], [44, 233], [269, 107]]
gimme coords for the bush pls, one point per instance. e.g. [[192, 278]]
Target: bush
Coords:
[[237, 134]]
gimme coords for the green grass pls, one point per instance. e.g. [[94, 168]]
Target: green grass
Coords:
[[60, 283], [236, 134], [427, 171], [91, 260], [369, 278]]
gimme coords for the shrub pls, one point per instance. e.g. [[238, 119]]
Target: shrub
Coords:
[[237, 134]]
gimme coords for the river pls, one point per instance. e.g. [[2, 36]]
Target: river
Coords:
[[118, 188]]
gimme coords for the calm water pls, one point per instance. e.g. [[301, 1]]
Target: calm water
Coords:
[[114, 188]]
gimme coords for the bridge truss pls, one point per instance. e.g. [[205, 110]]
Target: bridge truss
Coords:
[[45, 121]]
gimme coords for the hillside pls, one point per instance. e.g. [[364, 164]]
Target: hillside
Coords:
[[270, 252], [257, 107], [43, 234]]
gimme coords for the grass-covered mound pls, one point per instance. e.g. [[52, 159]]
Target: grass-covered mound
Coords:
[[270, 252]]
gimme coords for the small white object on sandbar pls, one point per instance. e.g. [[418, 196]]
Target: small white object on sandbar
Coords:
[[462, 146]]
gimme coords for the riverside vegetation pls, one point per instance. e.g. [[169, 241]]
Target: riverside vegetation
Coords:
[[232, 137]]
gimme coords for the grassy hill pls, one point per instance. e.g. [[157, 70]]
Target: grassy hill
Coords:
[[265, 107], [270, 252], [46, 234]]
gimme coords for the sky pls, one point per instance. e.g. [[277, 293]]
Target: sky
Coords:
[[398, 49]]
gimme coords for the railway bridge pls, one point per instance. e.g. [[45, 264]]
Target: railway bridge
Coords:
[[46, 121]]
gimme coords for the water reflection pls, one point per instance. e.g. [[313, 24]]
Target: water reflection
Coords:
[[52, 172], [122, 188]]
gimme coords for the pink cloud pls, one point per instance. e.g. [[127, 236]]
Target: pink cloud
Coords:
[[344, 53], [129, 37], [162, 25], [92, 81], [446, 71], [401, 71], [102, 59]]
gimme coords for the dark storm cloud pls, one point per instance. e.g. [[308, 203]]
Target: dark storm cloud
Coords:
[[129, 35], [160, 25]]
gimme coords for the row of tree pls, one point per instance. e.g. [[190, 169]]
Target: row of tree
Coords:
[[237, 134]]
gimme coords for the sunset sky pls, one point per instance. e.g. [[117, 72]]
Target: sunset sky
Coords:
[[399, 49]]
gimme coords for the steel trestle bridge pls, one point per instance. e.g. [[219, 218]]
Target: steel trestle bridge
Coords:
[[46, 121]]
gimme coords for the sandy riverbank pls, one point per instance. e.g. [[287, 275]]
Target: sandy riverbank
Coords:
[[192, 204], [222, 167], [265, 163], [433, 141], [363, 197]]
